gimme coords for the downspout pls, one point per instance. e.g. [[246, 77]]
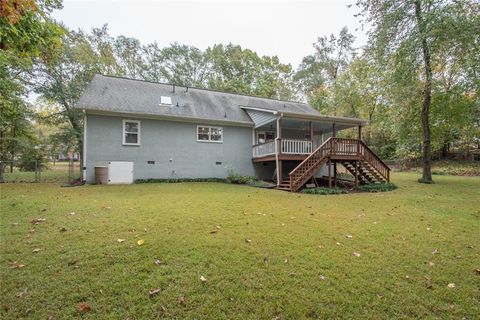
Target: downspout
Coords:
[[279, 132], [84, 156]]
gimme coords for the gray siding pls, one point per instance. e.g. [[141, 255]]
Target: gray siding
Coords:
[[165, 140]]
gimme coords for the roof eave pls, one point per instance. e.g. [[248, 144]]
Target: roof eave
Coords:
[[90, 111]]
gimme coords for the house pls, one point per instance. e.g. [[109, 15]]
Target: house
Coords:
[[146, 130]]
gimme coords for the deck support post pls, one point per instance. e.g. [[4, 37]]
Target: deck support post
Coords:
[[334, 174], [330, 174], [356, 174], [359, 139]]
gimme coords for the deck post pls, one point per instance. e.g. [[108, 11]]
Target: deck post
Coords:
[[330, 174], [356, 174], [334, 174]]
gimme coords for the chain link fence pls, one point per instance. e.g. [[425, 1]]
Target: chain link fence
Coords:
[[66, 172]]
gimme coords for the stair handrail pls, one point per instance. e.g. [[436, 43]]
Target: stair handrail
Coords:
[[328, 141], [367, 148]]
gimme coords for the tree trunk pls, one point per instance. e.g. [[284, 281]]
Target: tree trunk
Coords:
[[427, 93]]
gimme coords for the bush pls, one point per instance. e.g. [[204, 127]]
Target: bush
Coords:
[[324, 191], [180, 180], [29, 158], [377, 187], [235, 178]]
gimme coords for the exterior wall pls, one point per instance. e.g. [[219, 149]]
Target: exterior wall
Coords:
[[172, 145]]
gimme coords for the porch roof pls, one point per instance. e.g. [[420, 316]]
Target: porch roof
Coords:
[[262, 117]]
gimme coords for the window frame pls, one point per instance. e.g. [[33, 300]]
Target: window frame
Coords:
[[209, 134], [124, 132]]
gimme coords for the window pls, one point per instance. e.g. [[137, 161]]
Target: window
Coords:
[[265, 136], [165, 100], [131, 132], [209, 134]]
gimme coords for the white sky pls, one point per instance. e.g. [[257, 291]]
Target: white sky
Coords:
[[283, 28]]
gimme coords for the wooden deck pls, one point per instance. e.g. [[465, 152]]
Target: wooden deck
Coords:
[[353, 154]]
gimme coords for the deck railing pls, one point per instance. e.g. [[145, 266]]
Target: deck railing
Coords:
[[289, 146], [264, 149], [293, 146]]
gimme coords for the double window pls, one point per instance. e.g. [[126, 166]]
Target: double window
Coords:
[[131, 132], [209, 134]]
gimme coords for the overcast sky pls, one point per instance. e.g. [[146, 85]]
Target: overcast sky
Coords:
[[283, 28]]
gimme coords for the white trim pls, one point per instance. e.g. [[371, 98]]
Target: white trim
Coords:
[[138, 122], [209, 134], [259, 109], [84, 159], [125, 114]]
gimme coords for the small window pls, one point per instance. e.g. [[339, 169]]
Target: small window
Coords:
[[209, 134], [131, 132], [165, 100]]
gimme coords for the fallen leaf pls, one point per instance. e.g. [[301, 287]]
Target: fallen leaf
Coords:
[[140, 242], [435, 251], [431, 264], [429, 283], [286, 260], [20, 294], [338, 244], [84, 307], [72, 213], [16, 265], [218, 226], [356, 254], [265, 260], [63, 229], [153, 292], [322, 277], [349, 236], [214, 231], [203, 279], [451, 285], [181, 300], [248, 240], [158, 262], [477, 271], [38, 221], [120, 240], [36, 250]]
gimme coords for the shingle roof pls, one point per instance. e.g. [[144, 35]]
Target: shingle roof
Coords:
[[114, 94]]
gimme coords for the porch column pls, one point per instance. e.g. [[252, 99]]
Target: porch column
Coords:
[[359, 138], [278, 145], [334, 132]]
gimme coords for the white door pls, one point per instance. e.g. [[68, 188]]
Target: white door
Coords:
[[120, 172]]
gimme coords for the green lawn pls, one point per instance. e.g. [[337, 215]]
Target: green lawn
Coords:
[[265, 254]]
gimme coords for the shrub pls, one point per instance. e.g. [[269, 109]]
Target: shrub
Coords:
[[377, 187], [235, 178], [324, 191], [172, 180]]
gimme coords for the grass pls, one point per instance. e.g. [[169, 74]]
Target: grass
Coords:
[[273, 255]]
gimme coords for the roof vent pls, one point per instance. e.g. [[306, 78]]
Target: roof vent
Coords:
[[166, 100]]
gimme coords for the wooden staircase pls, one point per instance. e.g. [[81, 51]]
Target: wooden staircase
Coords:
[[349, 152]]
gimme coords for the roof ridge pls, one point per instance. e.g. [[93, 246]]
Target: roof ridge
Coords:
[[204, 89]]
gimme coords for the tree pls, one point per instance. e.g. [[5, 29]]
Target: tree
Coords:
[[407, 36], [27, 34], [318, 73], [62, 82], [243, 71]]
